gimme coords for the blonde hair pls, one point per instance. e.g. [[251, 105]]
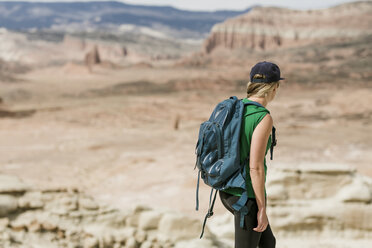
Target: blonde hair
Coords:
[[260, 89]]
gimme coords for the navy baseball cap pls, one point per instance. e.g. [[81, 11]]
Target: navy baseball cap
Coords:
[[270, 71]]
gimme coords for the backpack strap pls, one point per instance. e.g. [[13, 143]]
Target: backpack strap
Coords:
[[273, 143], [210, 209], [243, 212], [197, 192], [240, 204], [241, 208]]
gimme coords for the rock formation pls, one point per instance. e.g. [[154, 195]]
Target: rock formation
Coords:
[[265, 28], [304, 201], [321, 198], [65, 217], [125, 51], [176, 122], [92, 57], [314, 200]]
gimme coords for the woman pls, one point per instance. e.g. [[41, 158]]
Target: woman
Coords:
[[255, 140]]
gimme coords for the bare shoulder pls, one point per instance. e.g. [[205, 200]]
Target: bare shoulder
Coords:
[[267, 121], [260, 138], [264, 127]]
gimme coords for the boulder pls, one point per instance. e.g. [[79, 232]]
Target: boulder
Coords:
[[140, 236], [357, 191], [175, 227], [31, 199], [222, 225], [133, 219], [146, 244], [195, 243], [12, 185], [88, 203], [4, 222], [91, 242], [8, 204], [149, 220], [123, 234], [132, 243]]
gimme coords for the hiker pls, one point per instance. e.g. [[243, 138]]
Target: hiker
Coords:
[[255, 141]]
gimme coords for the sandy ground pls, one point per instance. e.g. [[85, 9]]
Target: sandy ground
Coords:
[[122, 148]]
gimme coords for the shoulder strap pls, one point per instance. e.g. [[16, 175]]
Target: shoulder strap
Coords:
[[273, 143], [254, 103], [210, 209]]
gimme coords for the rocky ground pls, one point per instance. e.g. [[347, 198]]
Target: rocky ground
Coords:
[[65, 217], [299, 206], [327, 205]]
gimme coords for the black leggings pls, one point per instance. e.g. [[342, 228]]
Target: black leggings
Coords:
[[247, 237]]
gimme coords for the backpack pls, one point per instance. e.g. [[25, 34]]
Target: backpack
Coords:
[[218, 157]]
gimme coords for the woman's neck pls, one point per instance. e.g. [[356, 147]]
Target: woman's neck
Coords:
[[261, 100]]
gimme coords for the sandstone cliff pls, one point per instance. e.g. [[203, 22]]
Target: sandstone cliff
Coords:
[[314, 205], [266, 28], [310, 205], [66, 217]]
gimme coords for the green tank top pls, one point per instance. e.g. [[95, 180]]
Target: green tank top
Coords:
[[251, 117]]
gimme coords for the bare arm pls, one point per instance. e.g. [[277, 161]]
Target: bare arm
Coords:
[[256, 166]]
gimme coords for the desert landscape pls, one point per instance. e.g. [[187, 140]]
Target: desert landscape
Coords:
[[97, 131]]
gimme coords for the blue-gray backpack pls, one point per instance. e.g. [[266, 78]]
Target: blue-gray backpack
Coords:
[[218, 157]]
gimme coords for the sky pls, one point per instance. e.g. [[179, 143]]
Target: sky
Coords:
[[212, 5]]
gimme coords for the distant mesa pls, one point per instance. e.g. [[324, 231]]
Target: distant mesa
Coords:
[[268, 28]]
